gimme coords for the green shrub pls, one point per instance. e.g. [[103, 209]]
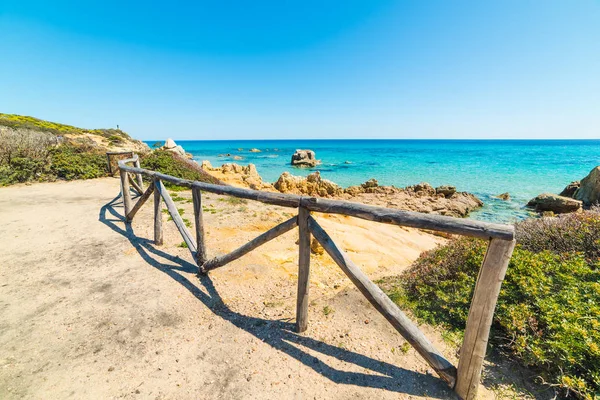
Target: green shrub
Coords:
[[71, 162], [167, 163], [548, 312]]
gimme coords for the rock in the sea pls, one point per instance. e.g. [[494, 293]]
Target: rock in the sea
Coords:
[[556, 204], [304, 158], [570, 189], [505, 196], [238, 158], [173, 147], [445, 190], [589, 191], [169, 144], [255, 151]]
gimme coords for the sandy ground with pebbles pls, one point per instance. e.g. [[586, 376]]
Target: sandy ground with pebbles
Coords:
[[91, 308]]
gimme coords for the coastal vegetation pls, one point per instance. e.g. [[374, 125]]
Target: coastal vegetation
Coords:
[[40, 125], [548, 312], [27, 156], [34, 150], [169, 163]]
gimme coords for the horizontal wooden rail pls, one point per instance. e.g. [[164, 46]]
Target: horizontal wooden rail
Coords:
[[461, 226]]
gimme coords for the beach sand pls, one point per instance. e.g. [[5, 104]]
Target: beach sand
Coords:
[[90, 308]]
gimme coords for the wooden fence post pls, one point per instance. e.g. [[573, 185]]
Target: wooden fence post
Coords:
[[480, 318], [140, 181], [125, 191], [158, 232], [303, 270], [199, 223]]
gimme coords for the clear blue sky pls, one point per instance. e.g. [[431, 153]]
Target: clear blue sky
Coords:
[[306, 69]]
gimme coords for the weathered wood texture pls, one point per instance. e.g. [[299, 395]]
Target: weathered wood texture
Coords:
[[125, 192], [140, 202], [199, 224], [303, 270], [481, 313], [138, 176], [172, 208], [158, 231], [466, 227], [385, 306], [135, 185], [113, 158], [251, 245], [439, 223]]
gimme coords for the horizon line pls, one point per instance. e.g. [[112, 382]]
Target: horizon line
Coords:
[[375, 139]]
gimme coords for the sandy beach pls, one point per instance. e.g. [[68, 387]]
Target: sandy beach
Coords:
[[91, 308]]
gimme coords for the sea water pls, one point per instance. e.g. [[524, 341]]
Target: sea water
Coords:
[[486, 168]]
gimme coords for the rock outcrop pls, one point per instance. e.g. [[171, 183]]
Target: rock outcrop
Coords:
[[589, 189], [173, 147], [570, 189], [444, 200], [304, 158], [240, 175], [504, 196], [556, 204], [312, 185]]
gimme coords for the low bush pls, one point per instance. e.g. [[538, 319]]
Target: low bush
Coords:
[[72, 162], [548, 312], [170, 164]]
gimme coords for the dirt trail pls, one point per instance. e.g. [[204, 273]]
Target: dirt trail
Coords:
[[90, 308]]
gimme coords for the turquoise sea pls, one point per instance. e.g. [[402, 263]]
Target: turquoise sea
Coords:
[[524, 168]]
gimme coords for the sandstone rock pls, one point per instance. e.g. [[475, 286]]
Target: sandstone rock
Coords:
[[504, 196], [206, 165], [589, 191], [304, 158], [238, 158], [315, 247], [445, 190], [554, 203], [354, 190], [371, 183], [312, 185], [423, 189], [570, 189], [255, 151]]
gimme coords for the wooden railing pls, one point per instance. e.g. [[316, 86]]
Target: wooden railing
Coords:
[[465, 379]]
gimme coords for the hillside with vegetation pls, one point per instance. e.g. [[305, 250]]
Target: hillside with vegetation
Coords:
[[35, 150]]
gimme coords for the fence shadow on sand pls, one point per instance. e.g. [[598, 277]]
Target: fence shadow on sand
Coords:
[[278, 334]]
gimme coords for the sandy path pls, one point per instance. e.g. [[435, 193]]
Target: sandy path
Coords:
[[90, 308]]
